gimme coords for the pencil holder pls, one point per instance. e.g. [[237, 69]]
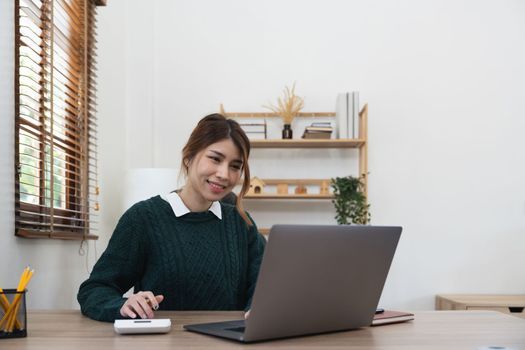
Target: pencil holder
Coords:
[[13, 316]]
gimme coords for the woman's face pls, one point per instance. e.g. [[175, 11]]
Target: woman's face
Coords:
[[214, 171]]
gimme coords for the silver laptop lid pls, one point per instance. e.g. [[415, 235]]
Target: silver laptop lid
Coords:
[[316, 279]]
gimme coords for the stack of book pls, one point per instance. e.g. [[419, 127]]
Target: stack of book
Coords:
[[347, 115], [320, 130], [255, 130]]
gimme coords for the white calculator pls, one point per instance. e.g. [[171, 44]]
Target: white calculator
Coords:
[[143, 326]]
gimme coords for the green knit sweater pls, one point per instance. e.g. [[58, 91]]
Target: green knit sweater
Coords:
[[197, 261]]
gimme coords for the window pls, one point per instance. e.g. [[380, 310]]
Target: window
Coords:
[[55, 127]]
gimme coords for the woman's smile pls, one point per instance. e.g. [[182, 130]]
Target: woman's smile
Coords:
[[215, 187]]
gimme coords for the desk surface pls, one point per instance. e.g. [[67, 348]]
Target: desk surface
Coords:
[[472, 330], [484, 299]]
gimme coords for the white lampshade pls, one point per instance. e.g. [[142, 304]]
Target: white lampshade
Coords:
[[144, 183]]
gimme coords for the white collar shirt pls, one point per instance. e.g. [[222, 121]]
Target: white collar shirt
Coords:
[[180, 209]]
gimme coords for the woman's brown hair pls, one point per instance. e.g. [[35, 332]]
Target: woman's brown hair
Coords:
[[214, 128]]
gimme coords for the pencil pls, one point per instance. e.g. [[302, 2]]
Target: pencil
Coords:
[[24, 280], [8, 311], [10, 320], [3, 300]]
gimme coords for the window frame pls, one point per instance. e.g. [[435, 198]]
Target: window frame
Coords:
[[75, 63]]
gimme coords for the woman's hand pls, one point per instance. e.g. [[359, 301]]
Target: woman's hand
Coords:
[[141, 304]]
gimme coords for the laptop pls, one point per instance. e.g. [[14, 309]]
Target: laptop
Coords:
[[314, 279]]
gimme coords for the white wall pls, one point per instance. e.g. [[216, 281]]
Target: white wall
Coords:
[[444, 83]]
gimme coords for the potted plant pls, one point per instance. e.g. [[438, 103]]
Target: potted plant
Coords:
[[350, 202], [288, 108]]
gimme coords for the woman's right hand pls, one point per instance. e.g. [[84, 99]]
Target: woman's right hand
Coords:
[[141, 304]]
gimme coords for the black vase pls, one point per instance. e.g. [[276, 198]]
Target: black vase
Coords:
[[287, 131]]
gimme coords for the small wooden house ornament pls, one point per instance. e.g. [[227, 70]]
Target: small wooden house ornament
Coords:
[[325, 187], [282, 188], [300, 189], [256, 186]]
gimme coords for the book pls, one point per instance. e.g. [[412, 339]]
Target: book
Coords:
[[318, 129], [322, 124], [347, 115], [341, 112], [255, 130], [355, 115], [317, 135], [253, 127], [389, 316]]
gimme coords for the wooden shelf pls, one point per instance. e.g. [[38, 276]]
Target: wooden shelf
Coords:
[[289, 196], [302, 143], [292, 182], [359, 144]]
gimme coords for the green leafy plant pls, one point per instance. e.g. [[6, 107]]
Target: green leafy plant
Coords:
[[350, 201]]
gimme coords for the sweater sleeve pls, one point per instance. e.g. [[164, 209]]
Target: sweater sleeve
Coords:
[[256, 246], [117, 270]]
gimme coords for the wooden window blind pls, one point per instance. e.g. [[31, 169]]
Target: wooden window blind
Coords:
[[56, 185]]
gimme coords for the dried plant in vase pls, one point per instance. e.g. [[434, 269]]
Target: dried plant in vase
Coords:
[[288, 107]]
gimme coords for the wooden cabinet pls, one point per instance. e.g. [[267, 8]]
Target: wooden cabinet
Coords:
[[510, 304], [361, 144]]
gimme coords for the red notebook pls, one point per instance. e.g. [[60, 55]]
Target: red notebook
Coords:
[[389, 316]]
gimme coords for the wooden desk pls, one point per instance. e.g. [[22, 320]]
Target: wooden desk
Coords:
[[68, 330], [510, 304]]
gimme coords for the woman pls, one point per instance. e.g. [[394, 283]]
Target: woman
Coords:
[[185, 250]]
